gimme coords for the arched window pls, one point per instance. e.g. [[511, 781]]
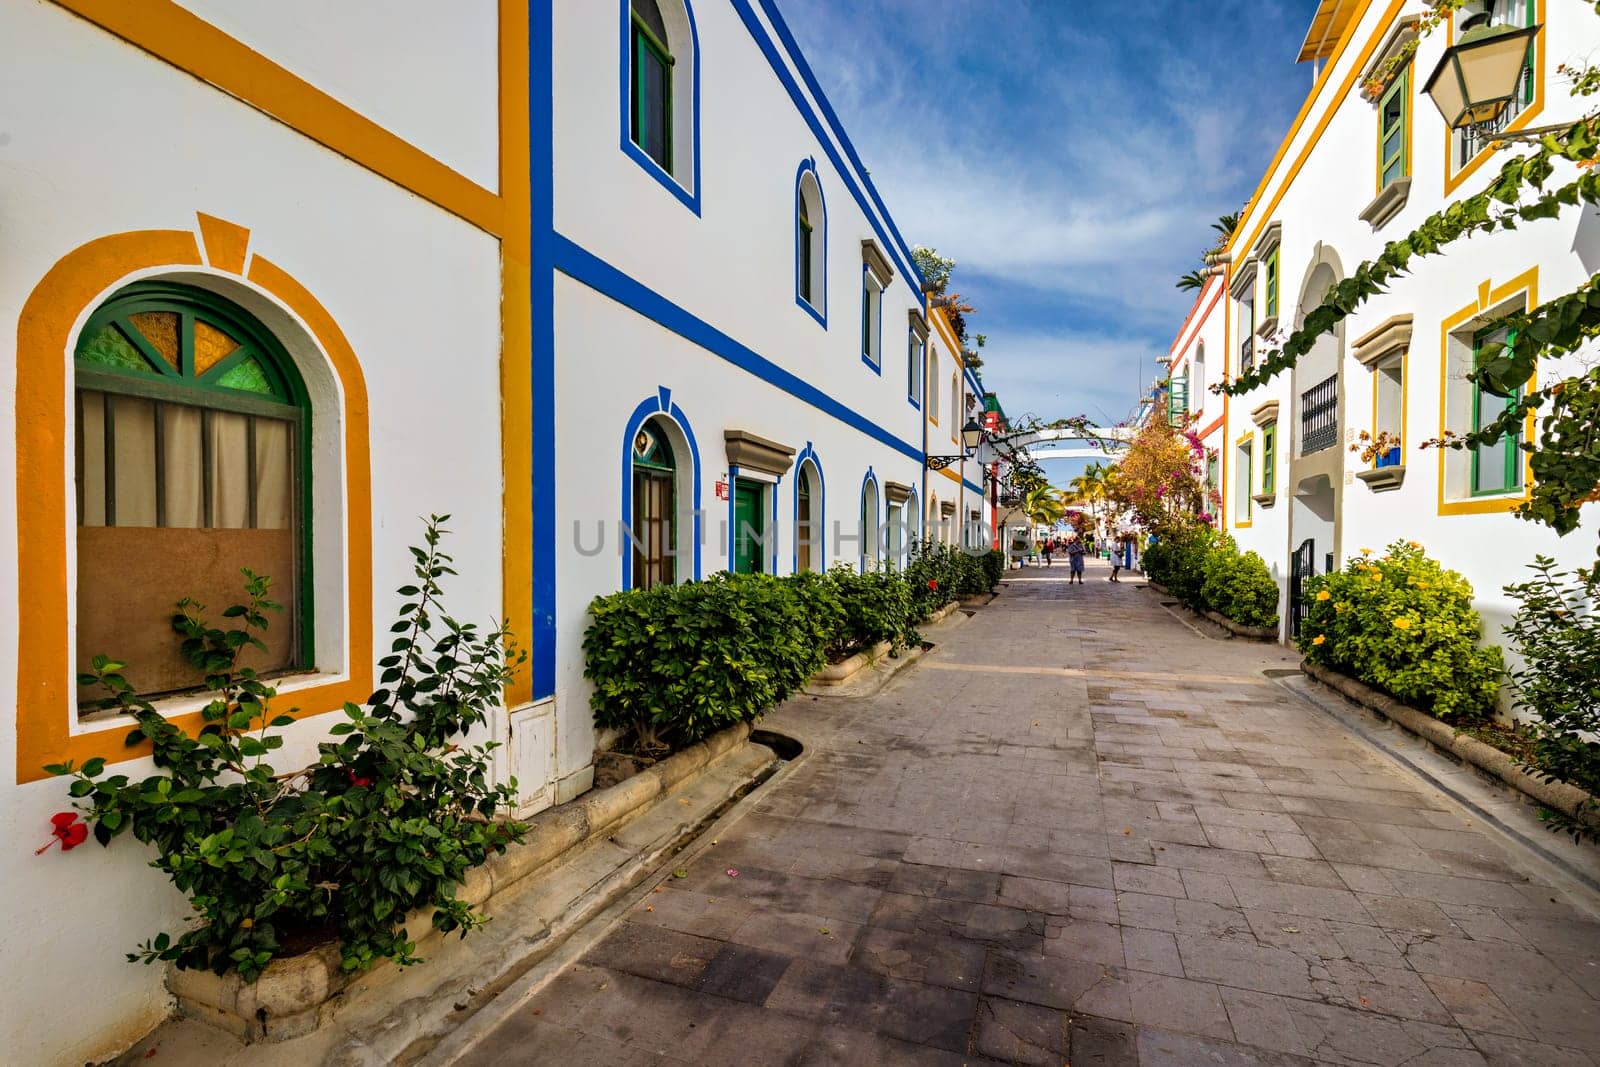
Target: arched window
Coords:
[[955, 405], [661, 121], [810, 237], [655, 507], [808, 518], [869, 522], [192, 430], [1197, 381], [933, 385]]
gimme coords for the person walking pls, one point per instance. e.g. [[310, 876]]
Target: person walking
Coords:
[[1049, 549], [1116, 559], [1075, 557]]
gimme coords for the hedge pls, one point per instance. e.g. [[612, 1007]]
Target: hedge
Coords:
[[1206, 570], [675, 663]]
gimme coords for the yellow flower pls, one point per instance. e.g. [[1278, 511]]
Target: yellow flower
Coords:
[[1422, 585], [1324, 595], [1317, 640], [1377, 575], [1414, 544], [1402, 624], [1366, 551]]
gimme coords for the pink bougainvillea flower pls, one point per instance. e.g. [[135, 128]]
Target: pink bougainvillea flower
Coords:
[[66, 831], [733, 872]]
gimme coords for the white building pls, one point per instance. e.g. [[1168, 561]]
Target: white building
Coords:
[[1365, 161], [583, 266]]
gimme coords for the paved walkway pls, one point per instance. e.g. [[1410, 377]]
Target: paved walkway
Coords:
[[1080, 833]]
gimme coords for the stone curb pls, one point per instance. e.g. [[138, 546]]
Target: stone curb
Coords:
[[895, 665], [1558, 795], [288, 999], [846, 669], [1239, 629]]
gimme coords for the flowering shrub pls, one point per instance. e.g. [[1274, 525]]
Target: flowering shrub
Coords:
[[877, 607], [390, 818], [1239, 586], [1404, 624]]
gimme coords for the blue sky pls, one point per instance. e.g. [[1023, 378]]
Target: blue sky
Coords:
[[1069, 155]]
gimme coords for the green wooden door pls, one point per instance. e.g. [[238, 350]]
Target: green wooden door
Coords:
[[749, 528]]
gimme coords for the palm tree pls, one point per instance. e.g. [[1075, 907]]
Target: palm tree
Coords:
[[1194, 279], [1043, 506], [1225, 225], [1090, 487]]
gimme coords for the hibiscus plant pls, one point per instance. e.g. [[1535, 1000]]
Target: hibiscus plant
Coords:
[[394, 812]]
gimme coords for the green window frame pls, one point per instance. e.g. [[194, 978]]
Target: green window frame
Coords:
[[1178, 399], [205, 378], [1272, 284], [1269, 457], [1213, 470], [1394, 130], [651, 63], [1496, 467], [654, 520]]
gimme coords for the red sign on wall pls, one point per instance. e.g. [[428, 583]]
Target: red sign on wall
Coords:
[[722, 489]]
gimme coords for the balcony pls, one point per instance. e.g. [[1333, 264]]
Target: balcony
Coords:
[[1319, 416]]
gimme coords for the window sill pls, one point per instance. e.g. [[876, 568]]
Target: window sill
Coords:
[[1265, 500], [1387, 204], [1267, 327], [1383, 479], [287, 683]]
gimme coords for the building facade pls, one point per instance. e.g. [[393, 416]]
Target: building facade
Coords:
[[1193, 363], [605, 282], [1327, 460]]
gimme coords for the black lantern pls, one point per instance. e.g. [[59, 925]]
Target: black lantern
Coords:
[[972, 435], [1478, 76]]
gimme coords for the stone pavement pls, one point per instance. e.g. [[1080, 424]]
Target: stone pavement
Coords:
[[1078, 832]]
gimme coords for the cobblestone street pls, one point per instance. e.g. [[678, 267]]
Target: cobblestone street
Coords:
[[1078, 832]]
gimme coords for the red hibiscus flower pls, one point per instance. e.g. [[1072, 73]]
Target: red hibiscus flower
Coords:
[[932, 583], [357, 780], [67, 831]]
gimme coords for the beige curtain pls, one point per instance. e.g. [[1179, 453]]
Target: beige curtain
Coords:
[[133, 421], [183, 476], [274, 481], [230, 470], [91, 459]]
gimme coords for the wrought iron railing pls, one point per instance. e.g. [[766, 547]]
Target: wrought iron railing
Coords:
[[1319, 416]]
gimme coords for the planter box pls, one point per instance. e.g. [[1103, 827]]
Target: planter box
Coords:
[[296, 994], [846, 669], [1558, 795]]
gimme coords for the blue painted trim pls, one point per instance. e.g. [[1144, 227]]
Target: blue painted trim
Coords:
[[821, 98], [869, 289], [691, 200], [975, 488], [809, 454], [818, 313], [542, 357], [733, 528], [773, 531], [920, 368], [661, 404], [869, 530], [584, 266], [775, 61]]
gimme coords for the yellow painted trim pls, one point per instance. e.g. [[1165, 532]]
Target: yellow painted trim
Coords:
[[1242, 249], [226, 244], [177, 36], [516, 341], [948, 473], [45, 694], [1488, 296], [1453, 180], [1246, 439]]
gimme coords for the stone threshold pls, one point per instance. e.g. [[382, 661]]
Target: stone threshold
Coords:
[[1485, 794], [577, 859]]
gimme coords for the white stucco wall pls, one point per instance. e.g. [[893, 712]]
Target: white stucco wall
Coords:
[[1319, 213], [127, 143]]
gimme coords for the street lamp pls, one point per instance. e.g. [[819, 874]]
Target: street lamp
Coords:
[[971, 438], [1477, 77]]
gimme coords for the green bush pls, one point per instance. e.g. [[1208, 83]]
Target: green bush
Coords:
[[877, 607], [676, 663], [932, 576], [1404, 624], [994, 568], [1556, 634], [393, 814], [1184, 563], [1239, 585]]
